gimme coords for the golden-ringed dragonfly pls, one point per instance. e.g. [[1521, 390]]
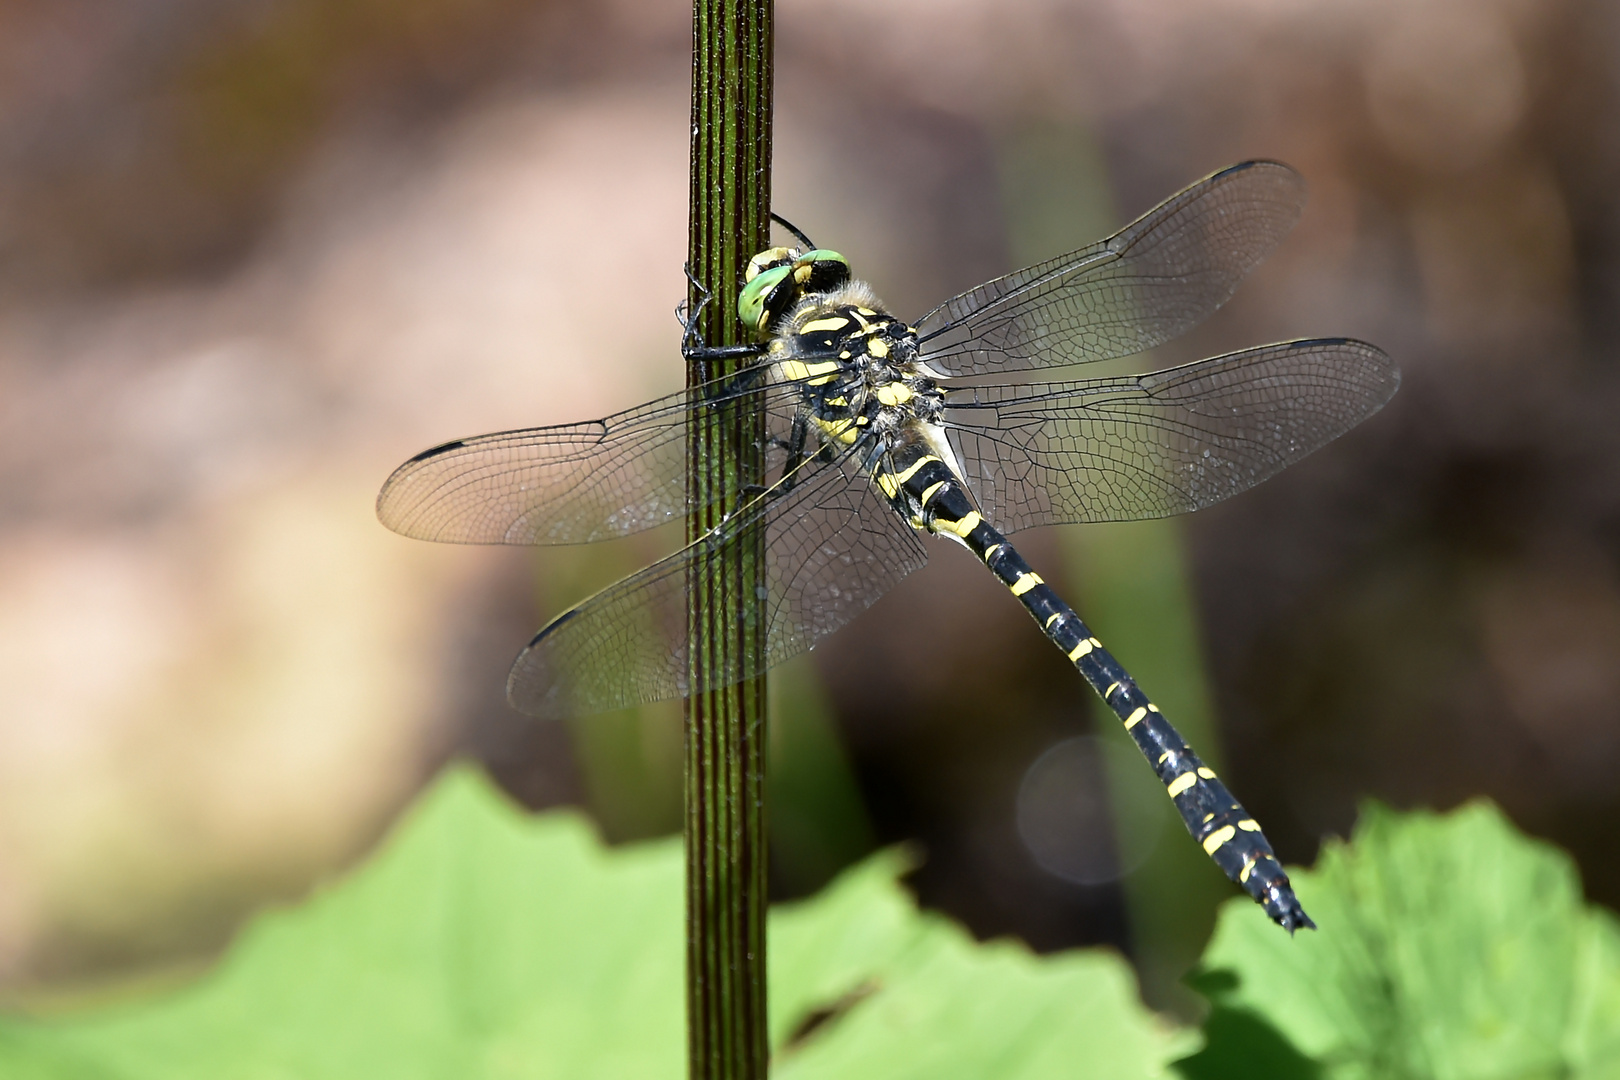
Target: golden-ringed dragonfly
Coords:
[[879, 431]]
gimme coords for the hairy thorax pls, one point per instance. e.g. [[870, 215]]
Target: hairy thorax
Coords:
[[858, 368]]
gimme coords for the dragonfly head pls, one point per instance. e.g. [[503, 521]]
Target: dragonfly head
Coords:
[[778, 278]]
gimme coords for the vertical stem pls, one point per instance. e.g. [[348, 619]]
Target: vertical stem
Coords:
[[725, 728]]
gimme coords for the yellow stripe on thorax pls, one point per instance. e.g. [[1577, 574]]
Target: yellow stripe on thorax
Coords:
[[818, 373], [844, 430], [831, 322]]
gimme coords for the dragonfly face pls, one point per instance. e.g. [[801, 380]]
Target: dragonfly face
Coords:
[[778, 278], [877, 430]]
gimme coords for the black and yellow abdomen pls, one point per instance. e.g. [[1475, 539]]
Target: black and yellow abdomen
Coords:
[[925, 489]]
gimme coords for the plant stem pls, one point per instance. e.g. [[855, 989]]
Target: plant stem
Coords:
[[725, 727]]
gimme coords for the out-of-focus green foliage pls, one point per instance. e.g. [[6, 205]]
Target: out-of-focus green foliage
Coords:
[[1450, 946], [481, 942], [484, 943], [476, 943], [912, 996]]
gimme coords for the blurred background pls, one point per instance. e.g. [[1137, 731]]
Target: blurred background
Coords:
[[255, 253]]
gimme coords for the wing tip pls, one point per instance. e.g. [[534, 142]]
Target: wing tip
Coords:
[[434, 451], [394, 509], [527, 690], [1277, 170]]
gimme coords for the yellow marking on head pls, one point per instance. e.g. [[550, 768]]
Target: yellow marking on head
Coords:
[[1181, 783], [1055, 617], [865, 311], [930, 492], [877, 347], [766, 257], [1025, 583], [960, 527], [1215, 839], [831, 322], [1206, 772], [1249, 825], [1079, 650], [1135, 717], [794, 370], [895, 393]]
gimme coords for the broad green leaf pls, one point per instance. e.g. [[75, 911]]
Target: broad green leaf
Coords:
[[477, 943], [912, 996], [1450, 947], [484, 943]]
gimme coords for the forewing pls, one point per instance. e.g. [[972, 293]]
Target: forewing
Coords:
[[1141, 287], [1153, 445], [832, 546], [572, 483]]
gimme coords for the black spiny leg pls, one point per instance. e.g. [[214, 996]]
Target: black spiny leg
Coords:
[[694, 348]]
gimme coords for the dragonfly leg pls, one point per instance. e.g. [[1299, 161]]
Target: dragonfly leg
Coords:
[[693, 347], [687, 314], [795, 450]]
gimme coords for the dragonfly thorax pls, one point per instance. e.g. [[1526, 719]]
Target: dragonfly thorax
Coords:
[[856, 366]]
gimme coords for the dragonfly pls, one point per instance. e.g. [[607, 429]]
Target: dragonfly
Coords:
[[881, 433]]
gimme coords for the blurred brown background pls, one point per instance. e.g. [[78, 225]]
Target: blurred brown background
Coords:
[[253, 254]]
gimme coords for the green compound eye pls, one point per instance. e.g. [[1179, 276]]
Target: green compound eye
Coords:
[[770, 292], [819, 271], [755, 302]]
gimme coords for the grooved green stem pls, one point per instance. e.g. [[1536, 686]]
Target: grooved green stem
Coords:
[[725, 727]]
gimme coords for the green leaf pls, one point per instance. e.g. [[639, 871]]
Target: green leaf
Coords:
[[1450, 947], [482, 942], [476, 943], [911, 996]]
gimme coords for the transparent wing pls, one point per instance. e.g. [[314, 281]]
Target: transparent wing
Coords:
[[832, 546], [1141, 287], [1148, 446], [572, 483]]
